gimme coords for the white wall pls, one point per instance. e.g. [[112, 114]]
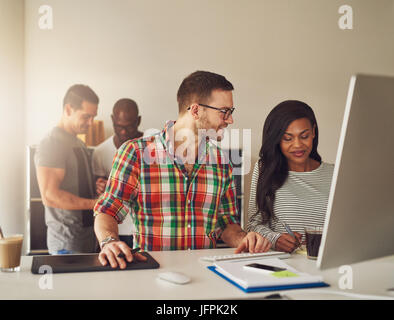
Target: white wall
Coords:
[[270, 50], [12, 119]]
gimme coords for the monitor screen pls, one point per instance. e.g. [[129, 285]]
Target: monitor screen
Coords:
[[359, 223]]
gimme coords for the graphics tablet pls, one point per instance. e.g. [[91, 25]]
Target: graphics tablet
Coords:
[[85, 263]]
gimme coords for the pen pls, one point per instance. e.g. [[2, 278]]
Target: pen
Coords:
[[290, 233], [121, 255]]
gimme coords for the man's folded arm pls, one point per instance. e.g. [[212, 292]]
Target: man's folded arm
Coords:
[[49, 181], [228, 220]]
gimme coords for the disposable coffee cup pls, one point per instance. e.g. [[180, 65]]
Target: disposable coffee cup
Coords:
[[313, 239], [10, 253]]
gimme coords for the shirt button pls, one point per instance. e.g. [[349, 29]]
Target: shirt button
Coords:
[[189, 226]]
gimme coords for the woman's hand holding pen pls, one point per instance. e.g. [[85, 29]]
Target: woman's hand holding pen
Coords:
[[287, 243], [116, 251]]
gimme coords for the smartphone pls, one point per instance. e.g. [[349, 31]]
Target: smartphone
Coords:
[[263, 267]]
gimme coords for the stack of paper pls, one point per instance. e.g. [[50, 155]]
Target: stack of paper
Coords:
[[255, 280]]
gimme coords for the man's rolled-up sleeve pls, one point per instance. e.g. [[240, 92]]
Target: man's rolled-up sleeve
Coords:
[[228, 210], [122, 185]]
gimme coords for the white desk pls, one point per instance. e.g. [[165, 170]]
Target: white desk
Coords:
[[370, 278]]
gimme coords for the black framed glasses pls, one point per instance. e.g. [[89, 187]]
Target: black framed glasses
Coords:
[[226, 111]]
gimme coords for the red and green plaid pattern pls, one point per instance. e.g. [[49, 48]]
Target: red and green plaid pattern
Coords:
[[169, 211]]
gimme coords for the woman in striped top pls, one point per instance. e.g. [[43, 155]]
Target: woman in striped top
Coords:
[[290, 183]]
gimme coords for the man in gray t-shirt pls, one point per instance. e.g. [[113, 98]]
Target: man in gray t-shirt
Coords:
[[65, 177]]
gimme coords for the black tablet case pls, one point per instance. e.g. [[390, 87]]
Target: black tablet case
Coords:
[[85, 263]]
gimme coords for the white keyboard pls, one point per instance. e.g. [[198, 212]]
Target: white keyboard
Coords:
[[237, 256]]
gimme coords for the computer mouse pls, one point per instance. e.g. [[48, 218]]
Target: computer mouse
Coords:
[[174, 277]]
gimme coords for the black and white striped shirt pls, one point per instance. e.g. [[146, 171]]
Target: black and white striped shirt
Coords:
[[300, 202]]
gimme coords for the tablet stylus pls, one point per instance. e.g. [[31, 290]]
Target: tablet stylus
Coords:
[[121, 255]]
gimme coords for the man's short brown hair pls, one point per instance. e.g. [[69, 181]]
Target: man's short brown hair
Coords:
[[78, 93], [198, 86]]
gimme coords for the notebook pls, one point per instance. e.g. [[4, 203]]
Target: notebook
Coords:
[[254, 281], [85, 263]]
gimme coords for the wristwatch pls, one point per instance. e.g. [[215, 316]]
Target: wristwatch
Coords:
[[107, 240]]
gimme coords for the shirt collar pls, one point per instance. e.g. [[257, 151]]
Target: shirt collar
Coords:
[[168, 139], [167, 136]]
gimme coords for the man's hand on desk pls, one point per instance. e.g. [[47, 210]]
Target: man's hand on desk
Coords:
[[253, 242], [110, 253]]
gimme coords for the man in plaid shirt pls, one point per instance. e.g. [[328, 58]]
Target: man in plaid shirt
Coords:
[[177, 184]]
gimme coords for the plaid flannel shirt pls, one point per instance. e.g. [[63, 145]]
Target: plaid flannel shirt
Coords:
[[170, 210]]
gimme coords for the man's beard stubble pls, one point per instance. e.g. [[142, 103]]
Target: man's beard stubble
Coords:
[[206, 128]]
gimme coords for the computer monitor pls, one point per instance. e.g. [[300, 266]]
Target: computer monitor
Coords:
[[359, 223]]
